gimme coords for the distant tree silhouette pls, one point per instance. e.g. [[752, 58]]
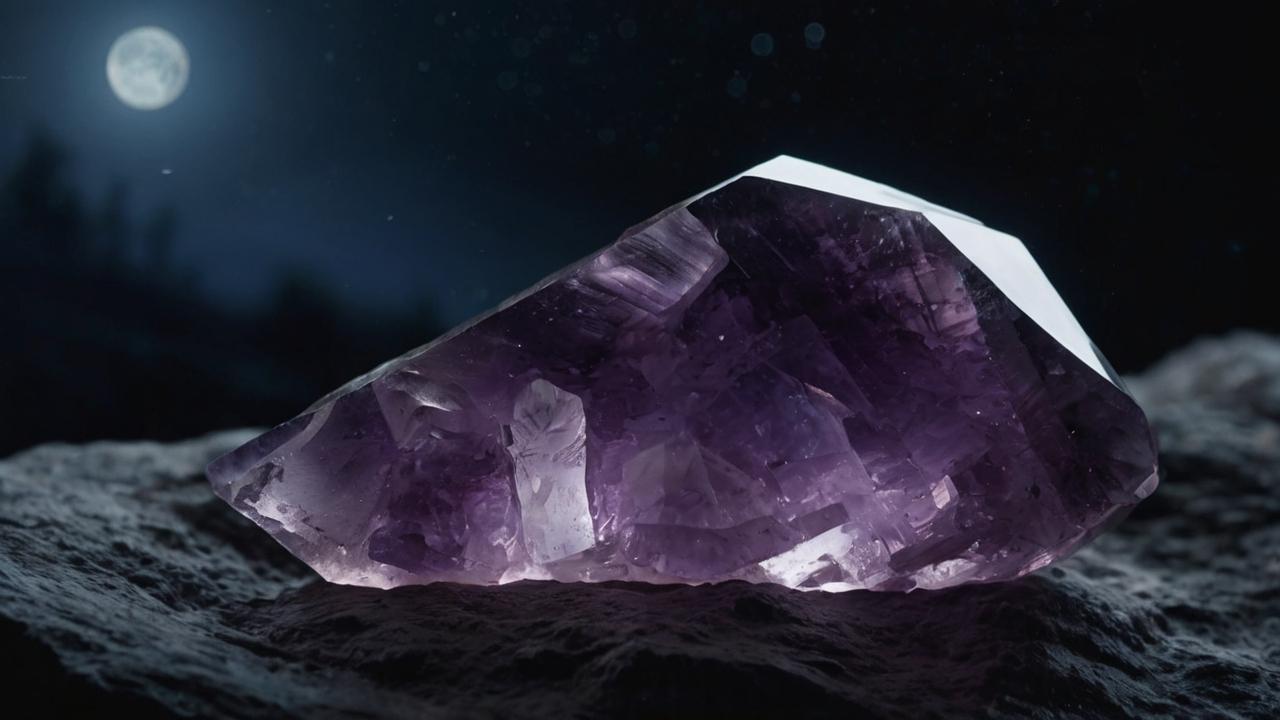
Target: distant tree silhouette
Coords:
[[42, 214], [113, 224], [106, 336], [157, 241]]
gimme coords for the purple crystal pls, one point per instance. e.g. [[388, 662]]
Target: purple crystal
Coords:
[[799, 377]]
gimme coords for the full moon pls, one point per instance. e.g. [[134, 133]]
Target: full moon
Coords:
[[147, 68]]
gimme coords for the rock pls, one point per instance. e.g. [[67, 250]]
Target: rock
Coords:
[[127, 587]]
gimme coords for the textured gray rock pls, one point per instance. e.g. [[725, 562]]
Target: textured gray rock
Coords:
[[126, 586]]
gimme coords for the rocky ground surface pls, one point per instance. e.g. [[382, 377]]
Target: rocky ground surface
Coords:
[[126, 587]]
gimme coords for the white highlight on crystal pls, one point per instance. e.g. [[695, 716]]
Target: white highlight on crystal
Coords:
[[941, 574], [411, 402], [661, 268], [549, 449], [1001, 257], [1147, 487], [817, 553], [944, 492]]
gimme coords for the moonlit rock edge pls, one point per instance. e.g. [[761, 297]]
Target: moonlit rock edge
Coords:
[[798, 377]]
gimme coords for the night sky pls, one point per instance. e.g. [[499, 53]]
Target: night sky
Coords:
[[449, 154]]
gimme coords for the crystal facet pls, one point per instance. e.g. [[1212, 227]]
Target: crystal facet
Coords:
[[798, 377]]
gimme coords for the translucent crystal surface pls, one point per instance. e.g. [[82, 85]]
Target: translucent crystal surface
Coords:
[[798, 377]]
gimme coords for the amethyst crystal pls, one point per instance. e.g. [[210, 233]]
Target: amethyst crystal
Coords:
[[798, 377]]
